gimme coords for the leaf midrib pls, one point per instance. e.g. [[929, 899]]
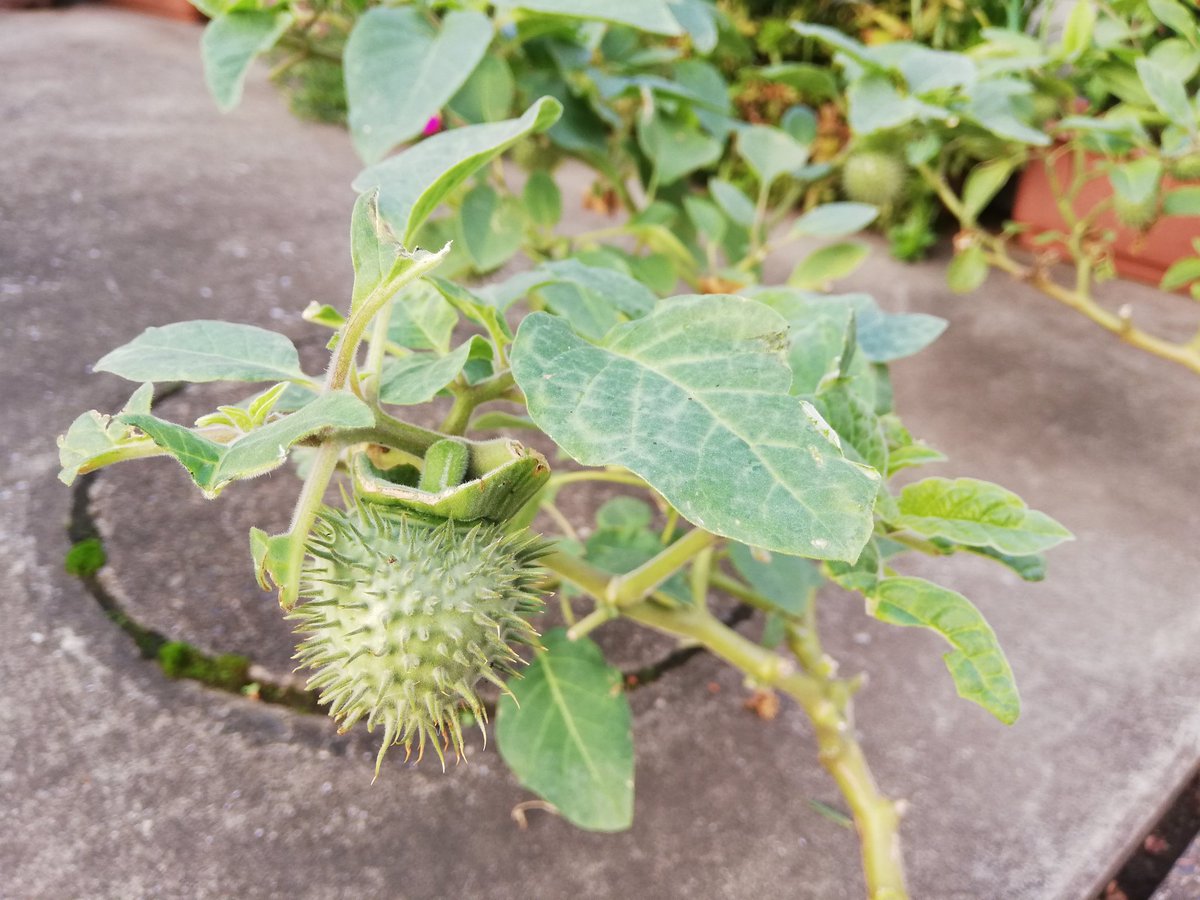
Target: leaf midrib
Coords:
[[568, 720], [696, 394]]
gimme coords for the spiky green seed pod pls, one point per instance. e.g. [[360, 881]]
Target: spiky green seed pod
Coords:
[[871, 176], [403, 619], [1185, 168], [1140, 215]]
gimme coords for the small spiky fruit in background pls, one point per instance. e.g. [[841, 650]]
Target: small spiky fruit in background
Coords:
[[403, 619], [875, 177], [1139, 215]]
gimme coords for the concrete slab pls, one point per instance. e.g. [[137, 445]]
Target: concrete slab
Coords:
[[129, 201]]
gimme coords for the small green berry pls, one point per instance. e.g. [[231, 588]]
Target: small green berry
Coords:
[[870, 176]]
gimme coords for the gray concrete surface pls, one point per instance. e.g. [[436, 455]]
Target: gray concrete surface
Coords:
[[128, 201]]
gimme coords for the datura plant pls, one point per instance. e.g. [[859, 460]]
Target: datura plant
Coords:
[[748, 438]]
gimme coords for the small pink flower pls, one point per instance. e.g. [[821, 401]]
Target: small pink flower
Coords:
[[433, 126]]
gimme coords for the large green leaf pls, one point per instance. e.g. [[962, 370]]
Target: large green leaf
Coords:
[[653, 16], [730, 198], [770, 152], [977, 664], [1080, 25], [487, 96], [853, 417], [401, 70], [418, 377], [193, 451], [422, 318], [832, 220], [995, 105], [876, 105], [373, 248], [694, 398], [1137, 181], [413, 184], [1177, 17], [213, 465], [699, 19], [205, 350], [592, 298], [788, 582], [566, 733], [984, 182], [839, 41], [492, 227], [229, 45], [828, 264], [882, 336], [977, 513], [1168, 95], [542, 199], [675, 147], [968, 270]]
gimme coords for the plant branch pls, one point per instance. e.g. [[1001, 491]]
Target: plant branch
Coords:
[[1079, 299], [876, 817], [376, 351], [634, 586], [468, 397], [351, 333], [1185, 354], [308, 504]]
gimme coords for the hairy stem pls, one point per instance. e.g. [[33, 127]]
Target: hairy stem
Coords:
[[307, 506], [376, 351], [351, 333], [468, 397]]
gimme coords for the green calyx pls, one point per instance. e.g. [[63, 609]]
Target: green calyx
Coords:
[[402, 619], [467, 481]]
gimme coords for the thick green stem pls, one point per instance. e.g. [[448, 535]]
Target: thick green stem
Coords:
[[593, 620], [1185, 354], [471, 396], [308, 504], [735, 588], [702, 568], [376, 351], [876, 818], [920, 544], [351, 334], [633, 586]]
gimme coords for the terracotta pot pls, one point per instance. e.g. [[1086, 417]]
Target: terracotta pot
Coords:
[[1140, 256], [171, 9]]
